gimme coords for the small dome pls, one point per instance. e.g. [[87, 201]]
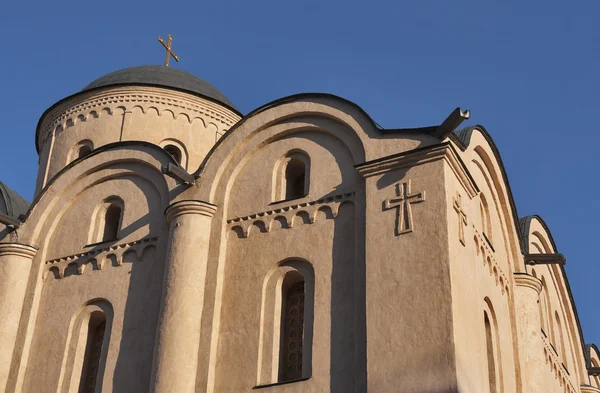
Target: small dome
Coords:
[[163, 77], [11, 203]]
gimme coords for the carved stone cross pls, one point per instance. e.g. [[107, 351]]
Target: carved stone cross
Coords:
[[404, 222], [462, 218]]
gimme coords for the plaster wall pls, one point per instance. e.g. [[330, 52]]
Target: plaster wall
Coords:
[[322, 234], [480, 283], [409, 320]]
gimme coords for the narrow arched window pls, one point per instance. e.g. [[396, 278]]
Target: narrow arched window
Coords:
[[490, 352], [295, 179], [175, 152], [485, 218], [292, 176], [112, 222], [106, 223], [83, 151], [292, 334], [93, 352]]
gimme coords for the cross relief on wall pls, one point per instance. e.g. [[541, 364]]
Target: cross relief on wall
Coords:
[[462, 218], [402, 203]]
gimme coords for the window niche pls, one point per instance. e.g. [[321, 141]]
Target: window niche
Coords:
[[106, 221], [291, 176], [81, 149], [87, 349], [93, 352], [492, 346], [287, 324], [176, 150]]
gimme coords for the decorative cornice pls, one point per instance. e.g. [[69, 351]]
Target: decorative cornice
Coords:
[[180, 104], [557, 367], [287, 216], [488, 254], [179, 208], [98, 257], [422, 155], [528, 281], [16, 249]]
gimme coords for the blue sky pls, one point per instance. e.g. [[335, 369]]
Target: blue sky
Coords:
[[528, 70]]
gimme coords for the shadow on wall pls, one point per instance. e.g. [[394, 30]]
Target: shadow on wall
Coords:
[[133, 367], [348, 325]]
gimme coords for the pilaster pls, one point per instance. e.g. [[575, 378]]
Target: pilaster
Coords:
[[176, 356], [531, 350], [15, 267]]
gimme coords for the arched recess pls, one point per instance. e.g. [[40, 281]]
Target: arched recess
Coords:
[[106, 220], [86, 350], [493, 349], [480, 154], [291, 176], [107, 162], [141, 161], [280, 339], [563, 321], [330, 115], [81, 149]]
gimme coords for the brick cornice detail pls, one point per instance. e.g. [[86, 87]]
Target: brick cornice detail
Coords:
[[111, 99], [443, 151]]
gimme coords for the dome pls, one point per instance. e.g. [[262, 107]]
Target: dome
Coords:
[[163, 77], [11, 203]]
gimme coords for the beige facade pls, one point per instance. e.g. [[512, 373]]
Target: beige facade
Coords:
[[176, 246]]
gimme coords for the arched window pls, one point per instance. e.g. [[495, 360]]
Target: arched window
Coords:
[[81, 149], [107, 221], [292, 327], [112, 222], [492, 348], [491, 357], [174, 151], [287, 318], [93, 352], [292, 177], [485, 217]]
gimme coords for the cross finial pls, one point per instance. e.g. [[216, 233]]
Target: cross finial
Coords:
[[168, 48]]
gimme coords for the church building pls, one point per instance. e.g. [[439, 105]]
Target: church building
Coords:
[[176, 245]]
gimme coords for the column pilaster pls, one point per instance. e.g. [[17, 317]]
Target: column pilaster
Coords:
[[531, 347], [176, 356], [15, 267]]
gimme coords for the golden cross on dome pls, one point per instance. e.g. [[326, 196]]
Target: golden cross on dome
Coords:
[[168, 48]]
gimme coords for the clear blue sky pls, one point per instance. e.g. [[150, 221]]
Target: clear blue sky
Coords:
[[528, 70]]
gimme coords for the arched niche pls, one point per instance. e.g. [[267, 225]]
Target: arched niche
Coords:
[[291, 176], [87, 348], [280, 287], [177, 150]]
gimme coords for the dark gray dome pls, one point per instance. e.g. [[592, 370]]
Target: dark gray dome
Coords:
[[11, 203], [163, 77]]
